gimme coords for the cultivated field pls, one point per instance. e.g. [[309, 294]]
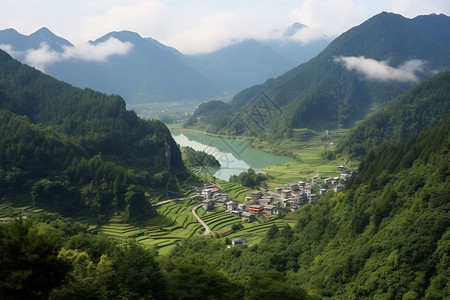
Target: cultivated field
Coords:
[[219, 220]]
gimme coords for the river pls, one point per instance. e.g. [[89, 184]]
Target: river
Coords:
[[235, 155]]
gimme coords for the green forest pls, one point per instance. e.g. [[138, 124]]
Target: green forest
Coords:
[[423, 106], [194, 158], [74, 150], [385, 236], [70, 152]]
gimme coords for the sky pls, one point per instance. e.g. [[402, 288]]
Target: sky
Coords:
[[201, 26]]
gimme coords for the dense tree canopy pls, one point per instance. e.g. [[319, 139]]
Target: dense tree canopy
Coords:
[[423, 106], [75, 150], [386, 235]]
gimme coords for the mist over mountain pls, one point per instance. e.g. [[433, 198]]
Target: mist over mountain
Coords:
[[143, 70], [20, 42], [364, 67], [251, 62]]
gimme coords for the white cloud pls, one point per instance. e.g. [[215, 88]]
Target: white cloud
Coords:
[[43, 56], [97, 52], [380, 70], [412, 8], [202, 25], [306, 35], [10, 50], [331, 17]]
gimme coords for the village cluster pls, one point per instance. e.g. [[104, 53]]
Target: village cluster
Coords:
[[267, 203]]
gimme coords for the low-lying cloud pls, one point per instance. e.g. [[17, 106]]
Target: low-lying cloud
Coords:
[[44, 55], [381, 70]]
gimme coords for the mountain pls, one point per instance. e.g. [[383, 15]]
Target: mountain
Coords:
[[240, 65], [250, 62], [384, 236], [79, 151], [149, 71], [20, 42], [293, 48], [423, 106], [364, 67]]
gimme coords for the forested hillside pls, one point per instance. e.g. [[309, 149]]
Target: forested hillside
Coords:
[[423, 106], [326, 93], [73, 149], [385, 236]]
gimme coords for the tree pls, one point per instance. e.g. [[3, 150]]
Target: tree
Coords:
[[195, 282], [30, 267], [138, 272], [272, 285]]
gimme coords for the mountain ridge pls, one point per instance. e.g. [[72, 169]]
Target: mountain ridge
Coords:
[[188, 81], [325, 94]]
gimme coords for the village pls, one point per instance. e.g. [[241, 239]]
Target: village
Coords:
[[274, 203]]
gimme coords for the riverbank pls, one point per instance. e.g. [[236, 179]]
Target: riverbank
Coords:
[[305, 159]]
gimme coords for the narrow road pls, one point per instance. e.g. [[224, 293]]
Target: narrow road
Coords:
[[207, 230]]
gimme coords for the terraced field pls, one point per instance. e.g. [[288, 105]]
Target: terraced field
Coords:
[[174, 223], [220, 220], [255, 233], [235, 192], [24, 207]]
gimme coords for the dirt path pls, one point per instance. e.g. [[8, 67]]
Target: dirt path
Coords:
[[207, 230]]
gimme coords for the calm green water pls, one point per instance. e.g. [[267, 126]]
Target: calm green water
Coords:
[[234, 155]]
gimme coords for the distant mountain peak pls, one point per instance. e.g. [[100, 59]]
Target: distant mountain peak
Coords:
[[124, 36], [45, 35], [294, 28]]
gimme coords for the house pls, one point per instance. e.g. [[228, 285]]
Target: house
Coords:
[[265, 201], [214, 190], [230, 205], [271, 209], [247, 199], [338, 187], [294, 208], [237, 242], [248, 217], [207, 204], [256, 195], [294, 187], [327, 180], [221, 202], [301, 184], [312, 198], [236, 212], [256, 208], [278, 189], [207, 193], [242, 207], [223, 196], [285, 193], [322, 192]]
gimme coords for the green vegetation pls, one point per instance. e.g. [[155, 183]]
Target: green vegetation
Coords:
[[49, 257], [193, 158], [235, 192], [76, 151], [385, 236], [423, 106], [220, 221], [250, 179]]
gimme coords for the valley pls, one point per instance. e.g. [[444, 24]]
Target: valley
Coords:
[[249, 172]]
